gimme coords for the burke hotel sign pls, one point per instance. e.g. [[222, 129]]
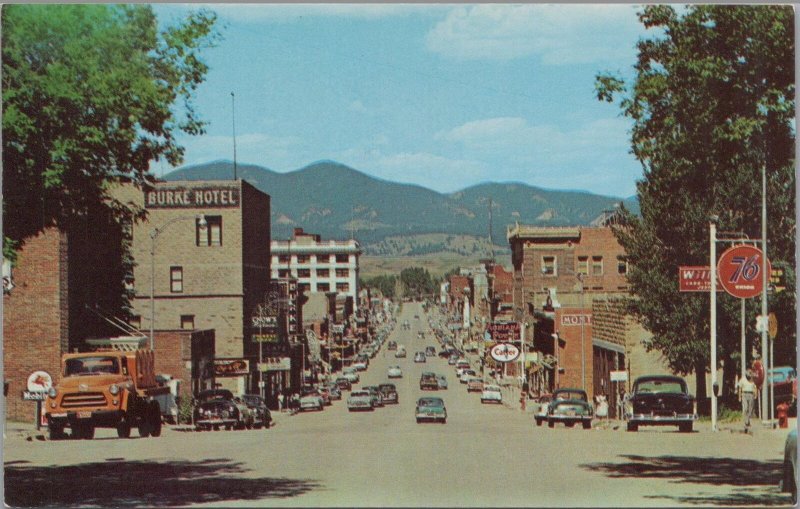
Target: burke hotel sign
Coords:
[[192, 197]]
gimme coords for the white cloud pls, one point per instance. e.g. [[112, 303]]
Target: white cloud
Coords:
[[558, 34], [358, 107]]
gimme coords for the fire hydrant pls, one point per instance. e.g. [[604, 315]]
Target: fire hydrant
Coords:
[[783, 415]]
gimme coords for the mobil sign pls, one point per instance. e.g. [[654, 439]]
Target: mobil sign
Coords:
[[741, 271]]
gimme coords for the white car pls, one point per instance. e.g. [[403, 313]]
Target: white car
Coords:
[[491, 394], [401, 352], [351, 374], [311, 402], [461, 365], [360, 365], [360, 400], [466, 375], [395, 372]]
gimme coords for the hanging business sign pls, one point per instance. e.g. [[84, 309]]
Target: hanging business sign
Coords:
[[740, 271], [231, 367], [275, 364], [504, 352], [504, 331], [575, 319], [693, 278]]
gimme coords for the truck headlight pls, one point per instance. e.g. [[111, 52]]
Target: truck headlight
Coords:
[[114, 389], [52, 392]]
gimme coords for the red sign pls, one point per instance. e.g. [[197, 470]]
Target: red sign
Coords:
[[696, 279], [740, 271], [231, 367], [576, 319], [504, 331]]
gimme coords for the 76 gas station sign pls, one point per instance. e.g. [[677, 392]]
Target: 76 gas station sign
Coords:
[[741, 271]]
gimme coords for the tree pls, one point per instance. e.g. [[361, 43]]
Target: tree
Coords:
[[417, 282], [384, 283], [89, 96], [711, 102]]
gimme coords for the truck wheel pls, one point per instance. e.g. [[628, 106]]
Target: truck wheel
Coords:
[[124, 428], [155, 422], [56, 432], [145, 426], [632, 426], [87, 432]]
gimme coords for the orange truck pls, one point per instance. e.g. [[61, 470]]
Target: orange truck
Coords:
[[106, 388]]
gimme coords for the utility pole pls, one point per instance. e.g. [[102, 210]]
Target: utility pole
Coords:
[[712, 227], [233, 117], [765, 346]]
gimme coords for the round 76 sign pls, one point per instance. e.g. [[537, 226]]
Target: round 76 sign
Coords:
[[741, 272]]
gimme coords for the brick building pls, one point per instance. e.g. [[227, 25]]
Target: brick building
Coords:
[[210, 264], [558, 273]]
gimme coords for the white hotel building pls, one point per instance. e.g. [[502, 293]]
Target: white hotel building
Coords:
[[329, 266]]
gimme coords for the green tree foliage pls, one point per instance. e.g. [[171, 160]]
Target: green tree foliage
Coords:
[[384, 283], [417, 282], [712, 102], [92, 95]]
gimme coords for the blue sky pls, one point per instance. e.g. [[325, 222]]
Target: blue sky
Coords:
[[444, 96]]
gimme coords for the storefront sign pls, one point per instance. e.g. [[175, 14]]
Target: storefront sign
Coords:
[[231, 367], [504, 331], [337, 328], [265, 321], [740, 271], [192, 197], [619, 376], [696, 279], [504, 352], [275, 364], [266, 337], [33, 396], [576, 319], [39, 381]]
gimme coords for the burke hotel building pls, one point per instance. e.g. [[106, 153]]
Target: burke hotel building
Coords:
[[211, 261], [319, 266]]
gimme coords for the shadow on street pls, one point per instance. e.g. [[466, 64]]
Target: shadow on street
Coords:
[[754, 482], [119, 483]]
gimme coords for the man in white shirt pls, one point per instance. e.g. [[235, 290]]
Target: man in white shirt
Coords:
[[748, 392]]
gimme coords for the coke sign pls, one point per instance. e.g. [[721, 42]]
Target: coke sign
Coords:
[[740, 271]]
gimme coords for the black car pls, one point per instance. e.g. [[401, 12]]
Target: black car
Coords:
[[259, 410], [430, 351], [389, 393], [217, 408], [660, 400]]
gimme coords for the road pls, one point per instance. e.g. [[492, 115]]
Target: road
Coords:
[[486, 455]]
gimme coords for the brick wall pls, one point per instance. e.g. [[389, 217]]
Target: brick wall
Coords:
[[569, 353], [181, 353], [35, 318]]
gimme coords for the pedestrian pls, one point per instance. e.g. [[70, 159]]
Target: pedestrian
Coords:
[[747, 395], [280, 402]]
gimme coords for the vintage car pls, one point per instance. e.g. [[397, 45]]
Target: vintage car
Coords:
[[334, 390], [311, 400], [375, 393], [351, 373], [392, 345], [217, 408], [570, 406], [442, 380], [400, 353], [360, 400], [389, 393], [491, 394], [430, 351], [344, 384], [428, 381], [258, 407], [431, 409], [466, 375], [461, 365], [789, 477], [540, 408], [420, 357], [784, 385], [475, 384], [394, 372], [660, 400], [325, 393]]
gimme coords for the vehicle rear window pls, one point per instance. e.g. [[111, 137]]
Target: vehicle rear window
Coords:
[[659, 387]]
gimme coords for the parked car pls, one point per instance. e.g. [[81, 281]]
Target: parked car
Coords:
[[394, 372], [491, 394], [344, 383], [461, 365], [431, 409], [430, 351], [789, 479], [217, 408], [325, 393], [375, 394], [389, 393], [660, 400], [258, 408], [570, 406], [392, 345], [540, 412], [466, 374], [400, 353], [452, 360], [784, 385], [360, 400], [351, 373], [428, 381], [442, 381], [311, 401], [334, 390], [475, 384], [420, 357]]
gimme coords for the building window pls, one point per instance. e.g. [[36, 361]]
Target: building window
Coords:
[[303, 272], [549, 267], [176, 279], [323, 287], [342, 272], [303, 287], [283, 272], [342, 287], [135, 321], [211, 233], [323, 273], [597, 265], [187, 322], [283, 258], [622, 267], [342, 258], [303, 258], [583, 265]]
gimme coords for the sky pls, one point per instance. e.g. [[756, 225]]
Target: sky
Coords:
[[443, 96]]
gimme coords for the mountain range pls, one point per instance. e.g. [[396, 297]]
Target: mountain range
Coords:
[[337, 201]]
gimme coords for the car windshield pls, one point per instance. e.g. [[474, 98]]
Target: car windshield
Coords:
[[431, 402], [360, 394], [217, 394], [579, 395], [491, 388], [660, 387], [92, 366]]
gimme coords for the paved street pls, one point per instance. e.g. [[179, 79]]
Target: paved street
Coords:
[[486, 455]]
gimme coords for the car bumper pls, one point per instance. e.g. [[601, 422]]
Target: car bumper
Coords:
[[207, 423], [491, 398], [431, 417], [359, 406], [570, 418], [659, 420], [101, 418]]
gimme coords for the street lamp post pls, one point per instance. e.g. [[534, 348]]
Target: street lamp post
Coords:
[[154, 233]]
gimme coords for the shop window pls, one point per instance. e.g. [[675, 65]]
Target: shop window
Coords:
[[187, 322], [583, 265], [304, 287], [549, 267], [342, 272], [323, 287], [597, 265], [176, 279], [211, 233], [622, 267], [323, 273]]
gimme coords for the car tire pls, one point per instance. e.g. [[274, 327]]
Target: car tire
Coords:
[[632, 426], [551, 424], [587, 424], [685, 427], [419, 420], [538, 422], [124, 428], [569, 424]]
